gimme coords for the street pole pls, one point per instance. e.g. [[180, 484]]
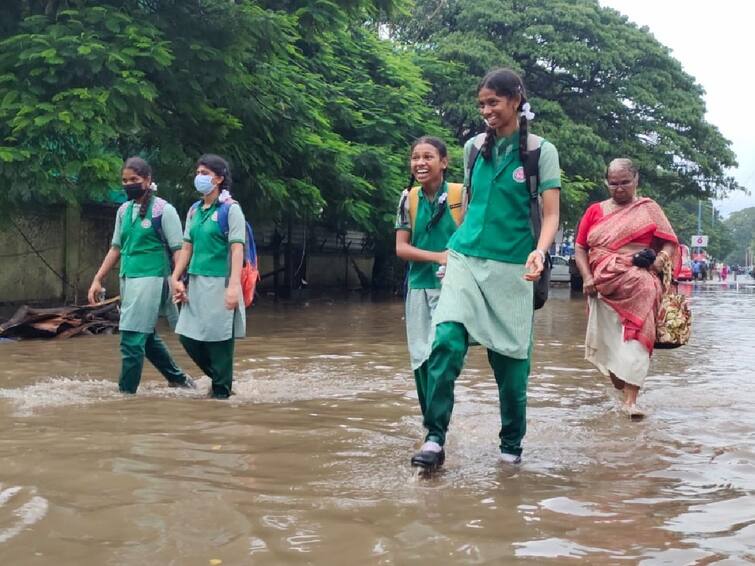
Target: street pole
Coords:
[[699, 221]]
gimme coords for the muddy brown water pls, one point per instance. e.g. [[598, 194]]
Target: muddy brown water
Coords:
[[308, 463]]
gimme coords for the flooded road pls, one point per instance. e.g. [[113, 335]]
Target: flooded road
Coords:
[[308, 462]]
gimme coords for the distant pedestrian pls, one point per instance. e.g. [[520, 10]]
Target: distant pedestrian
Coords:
[[724, 272]]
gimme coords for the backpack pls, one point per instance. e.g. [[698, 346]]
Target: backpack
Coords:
[[532, 176], [454, 203], [250, 274]]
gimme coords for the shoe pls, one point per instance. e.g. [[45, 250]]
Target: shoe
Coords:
[[511, 459], [430, 457], [188, 383], [220, 395]]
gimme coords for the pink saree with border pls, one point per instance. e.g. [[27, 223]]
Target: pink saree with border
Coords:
[[633, 292]]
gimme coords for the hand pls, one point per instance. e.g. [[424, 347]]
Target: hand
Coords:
[[442, 257], [94, 292], [179, 292], [534, 266], [232, 297], [588, 287], [658, 264]]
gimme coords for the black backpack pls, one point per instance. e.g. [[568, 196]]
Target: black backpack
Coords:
[[532, 174]]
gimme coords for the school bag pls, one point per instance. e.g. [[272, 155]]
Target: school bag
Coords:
[[250, 274], [532, 176], [453, 202]]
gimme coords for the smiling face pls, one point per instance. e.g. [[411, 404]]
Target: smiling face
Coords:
[[622, 184], [427, 165], [500, 112]]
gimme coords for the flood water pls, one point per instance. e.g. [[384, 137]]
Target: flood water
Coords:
[[309, 462]]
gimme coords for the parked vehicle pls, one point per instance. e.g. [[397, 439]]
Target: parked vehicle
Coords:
[[560, 270], [685, 272]]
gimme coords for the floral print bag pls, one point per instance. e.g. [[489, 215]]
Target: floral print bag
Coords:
[[674, 317]]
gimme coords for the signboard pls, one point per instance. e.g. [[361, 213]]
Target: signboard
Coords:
[[699, 241]]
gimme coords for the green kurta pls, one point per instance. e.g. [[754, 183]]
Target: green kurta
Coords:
[[204, 317], [483, 288], [145, 292]]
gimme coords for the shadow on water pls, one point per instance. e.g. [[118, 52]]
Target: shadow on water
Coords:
[[308, 462]]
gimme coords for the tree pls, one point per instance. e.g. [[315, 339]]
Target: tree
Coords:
[[742, 226], [600, 86], [313, 109]]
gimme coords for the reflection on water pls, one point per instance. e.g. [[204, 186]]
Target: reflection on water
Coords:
[[308, 462]]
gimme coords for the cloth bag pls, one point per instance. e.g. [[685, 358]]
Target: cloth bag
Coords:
[[673, 322]]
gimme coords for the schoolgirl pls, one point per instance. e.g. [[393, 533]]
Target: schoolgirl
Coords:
[[147, 229], [427, 217], [493, 260], [212, 314]]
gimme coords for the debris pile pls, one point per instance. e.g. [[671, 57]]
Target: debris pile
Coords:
[[63, 322]]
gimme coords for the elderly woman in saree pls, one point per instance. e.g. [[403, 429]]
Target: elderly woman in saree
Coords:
[[623, 244]]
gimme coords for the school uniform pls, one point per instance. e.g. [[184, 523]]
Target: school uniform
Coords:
[[145, 289], [485, 298], [423, 285], [205, 327]]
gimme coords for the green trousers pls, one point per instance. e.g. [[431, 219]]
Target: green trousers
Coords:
[[134, 346], [215, 359], [445, 365], [420, 379]]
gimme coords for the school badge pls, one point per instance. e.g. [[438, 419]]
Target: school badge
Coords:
[[214, 216], [519, 175], [146, 223]]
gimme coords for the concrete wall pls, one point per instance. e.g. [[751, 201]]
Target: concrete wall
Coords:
[[73, 242]]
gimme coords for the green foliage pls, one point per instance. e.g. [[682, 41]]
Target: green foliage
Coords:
[[742, 227], [601, 87], [683, 216], [315, 107]]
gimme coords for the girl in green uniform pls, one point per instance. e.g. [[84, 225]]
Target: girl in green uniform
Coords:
[[424, 223], [212, 315], [493, 260], [147, 228]]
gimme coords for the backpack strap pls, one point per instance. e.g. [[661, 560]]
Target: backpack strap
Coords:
[[413, 198], [158, 205], [456, 202], [532, 178], [223, 211], [470, 161]]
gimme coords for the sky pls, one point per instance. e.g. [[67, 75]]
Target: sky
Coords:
[[715, 43]]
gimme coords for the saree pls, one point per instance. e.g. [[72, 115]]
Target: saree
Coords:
[[634, 293]]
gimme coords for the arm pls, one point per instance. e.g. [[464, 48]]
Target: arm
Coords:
[[551, 205], [181, 258], [580, 256], [668, 249], [232, 292], [112, 257], [408, 252]]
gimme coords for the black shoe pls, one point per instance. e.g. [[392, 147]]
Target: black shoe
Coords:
[[221, 395], [429, 460], [188, 383]]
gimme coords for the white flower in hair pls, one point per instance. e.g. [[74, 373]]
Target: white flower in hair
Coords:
[[153, 187], [527, 112]]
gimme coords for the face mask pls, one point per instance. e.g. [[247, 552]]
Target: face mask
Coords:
[[133, 190], [203, 183]]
